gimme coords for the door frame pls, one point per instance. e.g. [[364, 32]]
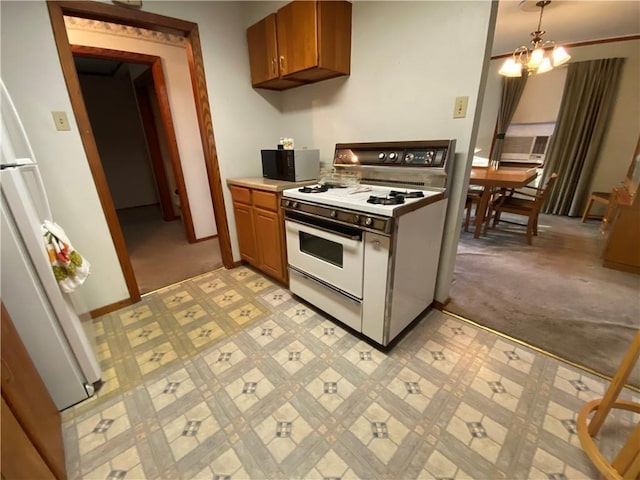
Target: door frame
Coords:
[[125, 16], [145, 96]]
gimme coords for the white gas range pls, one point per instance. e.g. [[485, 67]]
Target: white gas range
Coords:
[[367, 253]]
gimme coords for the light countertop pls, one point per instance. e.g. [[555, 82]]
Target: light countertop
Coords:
[[260, 183]]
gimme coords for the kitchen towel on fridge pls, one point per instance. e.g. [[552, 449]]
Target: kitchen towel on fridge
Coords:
[[69, 268]]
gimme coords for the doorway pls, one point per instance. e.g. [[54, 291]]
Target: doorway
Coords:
[[132, 126], [188, 30]]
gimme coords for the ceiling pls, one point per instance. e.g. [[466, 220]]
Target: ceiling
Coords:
[[96, 66], [565, 21]]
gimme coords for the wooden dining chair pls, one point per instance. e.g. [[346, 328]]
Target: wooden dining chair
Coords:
[[525, 202], [626, 464], [473, 200], [595, 197]]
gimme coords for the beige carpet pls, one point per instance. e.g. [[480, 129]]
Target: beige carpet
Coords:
[[554, 295], [159, 251]]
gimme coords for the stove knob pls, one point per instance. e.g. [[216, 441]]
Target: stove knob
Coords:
[[333, 214], [356, 219], [409, 157], [393, 156], [429, 158], [368, 221], [294, 205], [287, 203], [381, 155]]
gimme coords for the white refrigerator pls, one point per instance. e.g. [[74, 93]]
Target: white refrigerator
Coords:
[[44, 316]]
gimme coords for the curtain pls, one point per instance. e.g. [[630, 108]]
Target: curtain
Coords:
[[512, 88], [587, 102]]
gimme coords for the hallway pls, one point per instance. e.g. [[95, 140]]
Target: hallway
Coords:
[[159, 251]]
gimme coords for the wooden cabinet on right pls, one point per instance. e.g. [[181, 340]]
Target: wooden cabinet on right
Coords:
[[621, 250], [304, 42]]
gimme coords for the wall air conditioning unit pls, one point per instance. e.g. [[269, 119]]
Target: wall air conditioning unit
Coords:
[[521, 149]]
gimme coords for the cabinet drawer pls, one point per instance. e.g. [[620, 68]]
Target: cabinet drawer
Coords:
[[240, 194], [266, 200]]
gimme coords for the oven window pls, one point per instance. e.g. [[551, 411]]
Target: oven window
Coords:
[[321, 248]]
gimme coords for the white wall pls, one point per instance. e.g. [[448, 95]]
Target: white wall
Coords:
[[403, 80], [32, 74], [623, 129], [403, 84], [540, 101], [183, 112]]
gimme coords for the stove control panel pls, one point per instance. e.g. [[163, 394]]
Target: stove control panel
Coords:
[[365, 221], [394, 154], [432, 158]]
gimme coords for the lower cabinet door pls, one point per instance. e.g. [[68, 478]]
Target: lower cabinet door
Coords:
[[246, 233], [20, 459], [32, 444], [269, 239]]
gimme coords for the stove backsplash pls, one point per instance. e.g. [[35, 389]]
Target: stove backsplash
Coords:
[[421, 164]]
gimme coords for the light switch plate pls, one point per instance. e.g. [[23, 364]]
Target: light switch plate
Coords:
[[460, 107], [61, 121]]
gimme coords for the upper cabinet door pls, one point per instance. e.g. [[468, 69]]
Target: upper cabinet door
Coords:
[[304, 42], [263, 50], [297, 37]]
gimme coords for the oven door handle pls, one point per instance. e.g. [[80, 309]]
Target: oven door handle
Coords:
[[357, 238]]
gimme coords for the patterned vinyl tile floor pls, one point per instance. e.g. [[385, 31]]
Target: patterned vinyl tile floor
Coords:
[[228, 376]]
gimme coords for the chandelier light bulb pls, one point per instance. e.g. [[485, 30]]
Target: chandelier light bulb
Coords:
[[511, 68], [560, 56], [545, 66], [536, 58]]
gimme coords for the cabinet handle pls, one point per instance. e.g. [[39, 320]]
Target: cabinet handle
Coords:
[[273, 65], [281, 63]]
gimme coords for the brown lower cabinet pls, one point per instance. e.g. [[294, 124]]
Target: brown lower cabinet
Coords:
[[260, 228], [621, 251], [30, 425]]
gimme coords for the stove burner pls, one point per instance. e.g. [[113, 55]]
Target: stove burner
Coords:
[[314, 189], [407, 194], [389, 200]]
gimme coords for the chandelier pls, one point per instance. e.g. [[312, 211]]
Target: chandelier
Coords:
[[537, 59]]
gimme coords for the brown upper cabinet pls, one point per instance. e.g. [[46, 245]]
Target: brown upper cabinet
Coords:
[[304, 42]]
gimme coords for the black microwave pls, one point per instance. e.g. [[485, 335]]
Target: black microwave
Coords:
[[291, 165]]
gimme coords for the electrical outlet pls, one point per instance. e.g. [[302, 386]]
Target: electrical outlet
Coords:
[[460, 107], [61, 121]]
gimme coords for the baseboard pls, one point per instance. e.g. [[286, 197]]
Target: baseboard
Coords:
[[441, 306], [204, 239], [98, 312], [621, 266]]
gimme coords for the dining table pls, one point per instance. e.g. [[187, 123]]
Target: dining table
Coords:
[[490, 178]]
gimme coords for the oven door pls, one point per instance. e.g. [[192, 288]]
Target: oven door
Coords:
[[328, 251]]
